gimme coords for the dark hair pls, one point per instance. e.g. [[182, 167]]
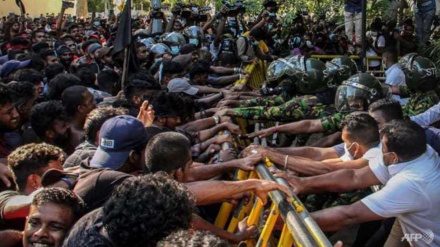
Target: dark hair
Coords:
[[143, 210], [107, 80], [405, 138], [258, 33], [53, 70], [171, 67], [390, 53], [134, 86], [362, 127], [44, 114], [31, 159], [40, 46], [34, 33], [87, 77], [59, 83], [167, 105], [29, 75], [168, 151], [227, 58], [72, 97], [391, 109], [24, 91], [198, 69], [96, 118], [71, 27], [7, 95], [61, 197], [185, 238], [44, 54]]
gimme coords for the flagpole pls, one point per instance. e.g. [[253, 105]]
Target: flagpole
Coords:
[[125, 66]]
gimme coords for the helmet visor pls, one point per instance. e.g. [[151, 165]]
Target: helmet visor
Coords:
[[350, 99], [277, 69]]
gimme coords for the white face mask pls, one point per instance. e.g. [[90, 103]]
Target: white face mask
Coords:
[[309, 44], [347, 153]]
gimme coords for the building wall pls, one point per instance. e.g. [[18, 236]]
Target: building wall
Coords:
[[33, 7]]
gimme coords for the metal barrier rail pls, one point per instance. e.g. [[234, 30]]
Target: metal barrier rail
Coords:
[[299, 228]]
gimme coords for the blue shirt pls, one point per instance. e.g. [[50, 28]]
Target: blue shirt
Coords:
[[353, 6]]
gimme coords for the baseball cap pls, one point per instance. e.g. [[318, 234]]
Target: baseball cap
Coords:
[[104, 51], [12, 65], [179, 85], [93, 47], [52, 176], [118, 136]]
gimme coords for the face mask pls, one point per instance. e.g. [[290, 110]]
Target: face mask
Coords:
[[255, 42], [392, 162], [373, 34], [97, 23], [347, 153], [194, 42], [175, 50], [309, 44]]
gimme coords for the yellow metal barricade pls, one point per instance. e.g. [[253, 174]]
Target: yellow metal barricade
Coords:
[[299, 228]]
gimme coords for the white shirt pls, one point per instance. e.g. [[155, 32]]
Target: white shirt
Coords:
[[411, 194], [428, 117], [395, 76]]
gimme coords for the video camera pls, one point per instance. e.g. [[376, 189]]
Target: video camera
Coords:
[[191, 11], [234, 8]]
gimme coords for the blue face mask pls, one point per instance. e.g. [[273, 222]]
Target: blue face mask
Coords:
[[194, 42], [175, 50]]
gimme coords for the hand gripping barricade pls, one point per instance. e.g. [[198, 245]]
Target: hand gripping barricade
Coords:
[[299, 228]]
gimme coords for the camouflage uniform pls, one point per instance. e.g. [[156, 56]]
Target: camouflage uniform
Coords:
[[420, 102], [299, 108], [270, 101]]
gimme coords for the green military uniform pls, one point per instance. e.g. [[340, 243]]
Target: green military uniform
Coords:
[[322, 201], [420, 102], [270, 101], [299, 108]]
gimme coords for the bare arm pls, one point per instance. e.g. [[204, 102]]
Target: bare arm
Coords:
[[336, 218], [204, 89], [308, 126], [313, 153], [338, 181], [205, 172], [209, 192]]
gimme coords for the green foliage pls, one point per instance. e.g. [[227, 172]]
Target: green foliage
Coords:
[[431, 51]]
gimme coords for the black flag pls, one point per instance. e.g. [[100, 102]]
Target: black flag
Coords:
[[123, 34]]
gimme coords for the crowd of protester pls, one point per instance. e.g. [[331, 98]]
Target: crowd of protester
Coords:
[[93, 153]]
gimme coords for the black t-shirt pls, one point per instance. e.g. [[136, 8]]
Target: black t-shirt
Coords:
[[95, 186], [86, 232]]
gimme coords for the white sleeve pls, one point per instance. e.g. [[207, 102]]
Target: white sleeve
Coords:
[[381, 41], [399, 196], [428, 117], [380, 170]]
